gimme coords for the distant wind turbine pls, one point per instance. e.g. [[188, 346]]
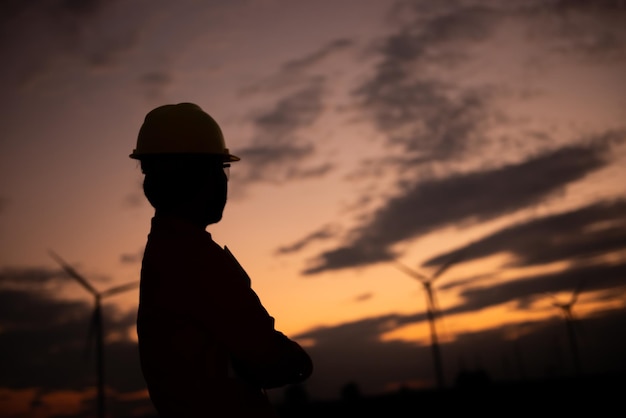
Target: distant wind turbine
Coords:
[[96, 322], [566, 309], [432, 309]]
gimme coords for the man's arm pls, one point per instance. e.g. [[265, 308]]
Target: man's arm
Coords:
[[290, 365], [260, 354]]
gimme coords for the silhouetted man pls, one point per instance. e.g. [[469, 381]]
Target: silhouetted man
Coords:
[[207, 345]]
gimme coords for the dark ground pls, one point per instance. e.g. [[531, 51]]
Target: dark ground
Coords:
[[595, 395], [602, 395]]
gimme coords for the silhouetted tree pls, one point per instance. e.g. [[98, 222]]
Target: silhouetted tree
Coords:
[[350, 392]]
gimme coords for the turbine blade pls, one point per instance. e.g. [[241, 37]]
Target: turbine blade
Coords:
[[119, 289], [411, 272], [448, 264], [72, 273], [554, 299]]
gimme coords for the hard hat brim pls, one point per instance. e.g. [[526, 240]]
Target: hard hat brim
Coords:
[[227, 158]]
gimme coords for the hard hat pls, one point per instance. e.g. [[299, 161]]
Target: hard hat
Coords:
[[180, 129]]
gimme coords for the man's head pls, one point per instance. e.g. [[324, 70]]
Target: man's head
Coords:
[[180, 129], [183, 157]]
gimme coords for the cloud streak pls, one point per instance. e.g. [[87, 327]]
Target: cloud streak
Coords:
[[279, 150], [430, 122], [44, 31], [591, 29], [316, 57], [419, 113], [462, 199], [154, 83], [592, 230], [526, 289], [31, 276], [132, 258], [324, 233], [299, 71]]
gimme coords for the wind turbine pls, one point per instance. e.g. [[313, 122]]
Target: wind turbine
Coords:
[[96, 322], [432, 309], [566, 309]]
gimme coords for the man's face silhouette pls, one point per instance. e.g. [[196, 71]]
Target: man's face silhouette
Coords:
[[194, 187], [210, 189]]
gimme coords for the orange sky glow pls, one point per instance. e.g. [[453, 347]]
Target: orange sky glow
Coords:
[[421, 130]]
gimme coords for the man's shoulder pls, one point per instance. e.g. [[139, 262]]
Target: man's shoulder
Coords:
[[173, 247]]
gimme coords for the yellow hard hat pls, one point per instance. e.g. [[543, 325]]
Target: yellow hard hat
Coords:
[[180, 129]]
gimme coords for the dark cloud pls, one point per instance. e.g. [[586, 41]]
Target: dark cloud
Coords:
[[325, 232], [134, 200], [423, 120], [596, 229], [586, 29], [363, 330], [13, 8], [31, 276], [462, 199], [299, 70], [437, 27], [292, 112], [526, 289], [428, 120], [80, 7], [26, 309], [36, 33], [44, 337], [317, 56], [155, 78], [363, 297], [154, 83], [421, 115], [590, 6], [132, 258], [315, 171], [354, 352], [474, 280], [279, 151], [3, 204], [83, 28], [434, 124], [44, 345]]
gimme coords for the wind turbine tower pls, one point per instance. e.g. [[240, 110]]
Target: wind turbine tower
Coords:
[[432, 310], [96, 323], [570, 323]]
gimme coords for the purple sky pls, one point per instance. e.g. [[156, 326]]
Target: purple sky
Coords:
[[369, 131]]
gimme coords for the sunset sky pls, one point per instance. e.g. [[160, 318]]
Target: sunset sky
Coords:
[[369, 131]]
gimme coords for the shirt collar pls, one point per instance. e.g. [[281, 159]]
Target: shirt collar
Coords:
[[177, 226]]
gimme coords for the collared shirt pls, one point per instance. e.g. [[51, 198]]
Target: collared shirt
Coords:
[[198, 320]]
